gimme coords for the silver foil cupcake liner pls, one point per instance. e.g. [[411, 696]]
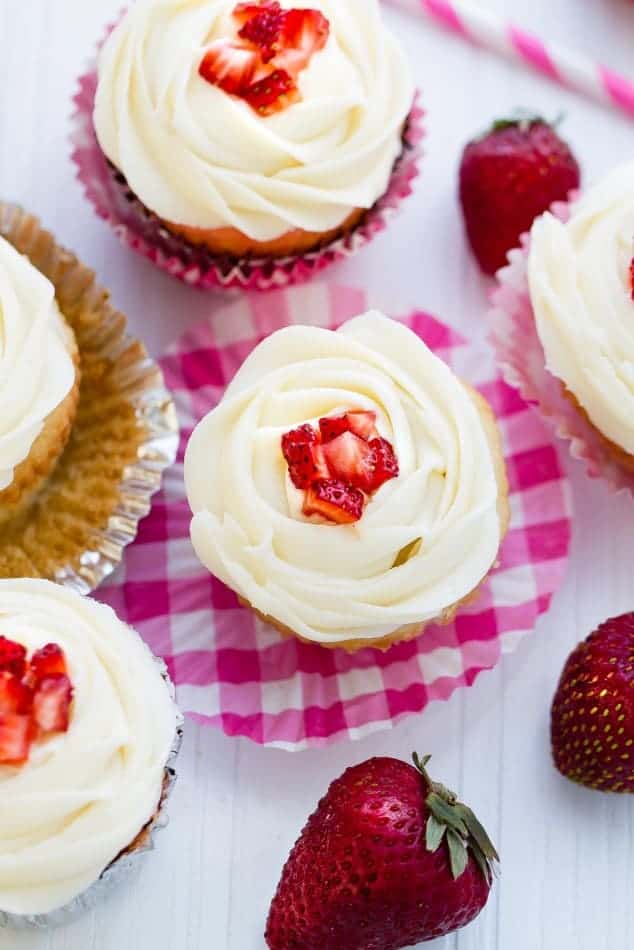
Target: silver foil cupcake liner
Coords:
[[126, 863]]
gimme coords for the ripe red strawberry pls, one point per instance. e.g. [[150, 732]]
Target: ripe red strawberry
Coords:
[[388, 859], [15, 695], [386, 463], [15, 738], [51, 703], [304, 33], [334, 500], [592, 719], [507, 178], [304, 456], [360, 422], [12, 657], [47, 661], [351, 459], [231, 66]]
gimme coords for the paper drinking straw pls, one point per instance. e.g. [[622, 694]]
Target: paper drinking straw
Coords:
[[564, 66]]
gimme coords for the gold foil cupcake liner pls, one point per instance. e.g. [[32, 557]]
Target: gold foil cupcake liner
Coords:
[[124, 436], [128, 862]]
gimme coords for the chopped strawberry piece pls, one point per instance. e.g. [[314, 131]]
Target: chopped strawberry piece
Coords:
[[12, 657], [231, 66], [304, 456], [15, 695], [304, 33], [47, 662], [15, 738], [386, 463], [51, 704], [351, 459], [360, 422], [262, 27], [272, 93], [334, 500]]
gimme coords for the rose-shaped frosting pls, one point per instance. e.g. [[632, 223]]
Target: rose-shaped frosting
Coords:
[[331, 583], [85, 795], [200, 157], [36, 369], [580, 286]]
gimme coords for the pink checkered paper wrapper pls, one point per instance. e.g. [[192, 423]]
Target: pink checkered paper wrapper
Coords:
[[522, 360], [142, 232], [234, 671]]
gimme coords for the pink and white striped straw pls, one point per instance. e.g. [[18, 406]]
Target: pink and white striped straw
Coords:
[[564, 66]]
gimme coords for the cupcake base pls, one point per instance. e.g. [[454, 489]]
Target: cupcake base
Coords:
[[124, 433], [30, 477], [413, 630]]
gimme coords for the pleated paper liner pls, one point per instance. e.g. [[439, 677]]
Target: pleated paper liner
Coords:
[[126, 863], [140, 230], [521, 357], [124, 436]]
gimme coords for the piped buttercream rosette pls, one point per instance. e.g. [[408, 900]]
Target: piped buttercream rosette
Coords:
[[426, 539]]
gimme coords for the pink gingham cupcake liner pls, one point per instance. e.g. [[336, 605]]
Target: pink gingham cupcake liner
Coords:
[[234, 671], [140, 230], [522, 360]]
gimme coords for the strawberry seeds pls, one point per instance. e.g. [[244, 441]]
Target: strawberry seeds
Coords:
[[35, 698], [262, 64], [339, 466]]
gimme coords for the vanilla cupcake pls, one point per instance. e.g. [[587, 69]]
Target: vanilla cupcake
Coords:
[[580, 277], [253, 129], [349, 487], [88, 729], [39, 381]]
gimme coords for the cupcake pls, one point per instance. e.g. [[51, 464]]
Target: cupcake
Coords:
[[80, 458], [39, 381], [243, 132], [348, 487], [580, 281], [88, 729]]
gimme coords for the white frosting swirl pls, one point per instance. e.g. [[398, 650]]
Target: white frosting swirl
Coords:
[[85, 795], [579, 277], [330, 583], [199, 157], [36, 369]]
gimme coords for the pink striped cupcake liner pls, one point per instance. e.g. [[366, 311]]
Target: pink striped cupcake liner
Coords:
[[235, 672], [522, 360], [139, 229]]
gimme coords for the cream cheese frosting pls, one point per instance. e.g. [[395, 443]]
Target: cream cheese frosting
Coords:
[[333, 583], [85, 795], [36, 369], [579, 279], [199, 157]]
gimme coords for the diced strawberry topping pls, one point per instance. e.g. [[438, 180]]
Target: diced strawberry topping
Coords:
[[351, 459], [12, 657], [15, 738], [262, 27], [15, 695], [47, 662], [51, 704], [231, 66], [304, 456], [272, 47], [386, 463], [272, 93], [360, 422], [334, 500]]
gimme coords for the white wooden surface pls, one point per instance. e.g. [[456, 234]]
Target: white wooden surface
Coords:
[[568, 854]]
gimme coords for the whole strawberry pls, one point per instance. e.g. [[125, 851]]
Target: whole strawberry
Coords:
[[508, 177], [592, 722], [389, 859]]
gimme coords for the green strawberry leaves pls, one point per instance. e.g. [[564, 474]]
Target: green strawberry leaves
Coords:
[[454, 822]]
